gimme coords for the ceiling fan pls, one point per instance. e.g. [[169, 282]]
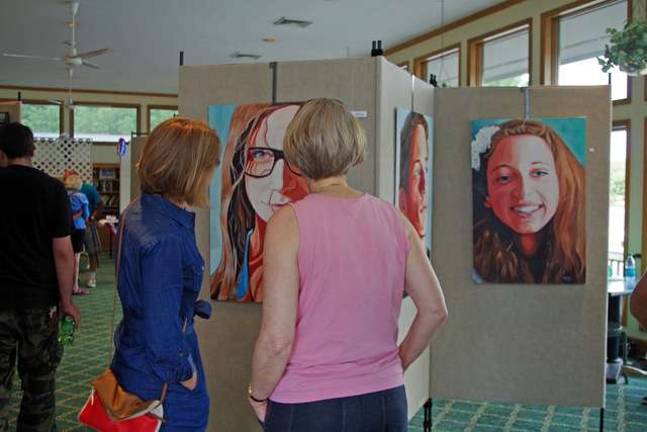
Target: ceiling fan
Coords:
[[71, 59]]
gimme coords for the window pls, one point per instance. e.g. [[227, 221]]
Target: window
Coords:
[[157, 115], [43, 118], [618, 195], [445, 66], [104, 123], [582, 37], [502, 59]]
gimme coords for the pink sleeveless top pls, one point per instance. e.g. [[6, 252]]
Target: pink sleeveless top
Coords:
[[352, 259]]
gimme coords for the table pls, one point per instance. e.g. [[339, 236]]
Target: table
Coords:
[[616, 336]]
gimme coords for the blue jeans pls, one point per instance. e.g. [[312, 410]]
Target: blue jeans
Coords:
[[383, 411]]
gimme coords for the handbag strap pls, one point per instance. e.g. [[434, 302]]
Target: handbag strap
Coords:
[[120, 239], [122, 225]]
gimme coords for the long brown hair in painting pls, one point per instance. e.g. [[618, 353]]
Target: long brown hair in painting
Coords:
[[529, 206]]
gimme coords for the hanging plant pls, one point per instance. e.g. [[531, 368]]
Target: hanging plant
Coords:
[[627, 49]]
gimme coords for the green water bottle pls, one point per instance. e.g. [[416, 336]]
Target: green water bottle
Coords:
[[66, 330]]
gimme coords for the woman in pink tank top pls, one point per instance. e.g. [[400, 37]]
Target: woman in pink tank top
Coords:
[[336, 266]]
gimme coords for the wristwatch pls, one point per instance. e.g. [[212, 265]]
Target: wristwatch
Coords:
[[250, 393]]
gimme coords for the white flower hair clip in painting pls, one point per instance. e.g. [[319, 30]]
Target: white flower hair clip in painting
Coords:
[[481, 144]]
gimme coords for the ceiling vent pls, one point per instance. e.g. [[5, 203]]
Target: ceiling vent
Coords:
[[292, 22], [246, 56]]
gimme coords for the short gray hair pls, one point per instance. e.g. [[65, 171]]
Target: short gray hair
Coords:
[[324, 140]]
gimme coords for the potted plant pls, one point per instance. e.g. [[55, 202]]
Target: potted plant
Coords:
[[627, 49]]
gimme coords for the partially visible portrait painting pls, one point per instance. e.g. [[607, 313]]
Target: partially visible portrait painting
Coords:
[[413, 166], [528, 179], [253, 181]]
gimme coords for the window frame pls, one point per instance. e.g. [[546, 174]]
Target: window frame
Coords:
[[149, 108], [61, 113], [549, 58], [475, 50], [61, 119], [106, 105], [420, 63], [625, 124]]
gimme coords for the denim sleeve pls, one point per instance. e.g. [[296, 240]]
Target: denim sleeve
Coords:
[[167, 351]]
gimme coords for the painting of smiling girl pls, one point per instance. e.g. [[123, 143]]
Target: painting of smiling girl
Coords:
[[254, 182], [528, 180]]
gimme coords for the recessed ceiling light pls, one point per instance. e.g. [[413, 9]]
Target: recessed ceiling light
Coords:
[[246, 55], [292, 22]]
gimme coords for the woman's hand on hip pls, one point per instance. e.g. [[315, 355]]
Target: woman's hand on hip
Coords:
[[191, 383], [260, 409]]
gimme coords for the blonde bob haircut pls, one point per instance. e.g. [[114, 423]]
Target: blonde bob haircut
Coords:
[[178, 159], [73, 181], [324, 140]]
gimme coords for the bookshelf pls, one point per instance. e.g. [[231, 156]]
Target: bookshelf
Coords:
[[106, 179]]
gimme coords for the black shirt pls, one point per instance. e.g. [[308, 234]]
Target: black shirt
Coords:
[[35, 210]]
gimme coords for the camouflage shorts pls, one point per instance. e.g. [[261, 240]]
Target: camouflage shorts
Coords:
[[30, 337]]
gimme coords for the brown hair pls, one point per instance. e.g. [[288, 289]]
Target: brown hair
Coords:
[[324, 140], [495, 257], [177, 160]]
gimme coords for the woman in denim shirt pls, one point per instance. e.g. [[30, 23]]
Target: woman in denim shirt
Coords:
[[161, 273]]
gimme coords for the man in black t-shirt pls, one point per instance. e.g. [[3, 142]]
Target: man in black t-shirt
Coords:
[[36, 278]]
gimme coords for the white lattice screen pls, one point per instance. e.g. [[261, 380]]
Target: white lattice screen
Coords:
[[55, 155]]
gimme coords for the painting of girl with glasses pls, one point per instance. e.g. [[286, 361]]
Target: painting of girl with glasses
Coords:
[[255, 181]]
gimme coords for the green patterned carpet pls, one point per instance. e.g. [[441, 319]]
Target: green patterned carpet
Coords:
[[91, 352]]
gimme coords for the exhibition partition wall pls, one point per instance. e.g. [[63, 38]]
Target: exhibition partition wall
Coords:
[[373, 88], [532, 343], [536, 335]]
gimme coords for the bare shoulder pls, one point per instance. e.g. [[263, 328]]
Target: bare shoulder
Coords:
[[283, 226], [283, 218]]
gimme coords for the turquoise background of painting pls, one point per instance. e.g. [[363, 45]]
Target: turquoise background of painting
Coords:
[[219, 120], [400, 116], [571, 129]]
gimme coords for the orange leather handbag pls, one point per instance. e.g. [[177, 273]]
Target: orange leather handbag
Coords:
[[110, 408]]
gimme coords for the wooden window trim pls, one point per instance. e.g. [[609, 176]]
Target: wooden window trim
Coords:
[[452, 25], [149, 108], [549, 56], [93, 91], [420, 63], [106, 105], [475, 49], [626, 125]]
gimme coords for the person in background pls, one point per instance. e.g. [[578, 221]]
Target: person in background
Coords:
[[80, 213], [337, 264], [638, 301], [638, 308], [36, 278], [160, 274], [91, 240]]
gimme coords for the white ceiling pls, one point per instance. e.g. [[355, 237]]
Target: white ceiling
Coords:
[[146, 36]]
